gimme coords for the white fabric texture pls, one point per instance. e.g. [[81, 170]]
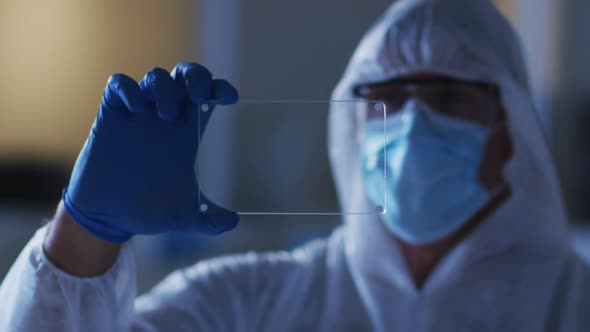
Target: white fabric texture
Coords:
[[515, 272]]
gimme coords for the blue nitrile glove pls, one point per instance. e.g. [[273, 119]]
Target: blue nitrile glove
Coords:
[[136, 172]]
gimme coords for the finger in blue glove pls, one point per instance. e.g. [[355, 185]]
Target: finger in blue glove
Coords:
[[135, 174]]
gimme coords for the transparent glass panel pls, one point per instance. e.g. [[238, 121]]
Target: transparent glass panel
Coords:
[[271, 156]]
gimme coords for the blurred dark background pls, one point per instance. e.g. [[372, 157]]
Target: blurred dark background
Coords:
[[56, 57]]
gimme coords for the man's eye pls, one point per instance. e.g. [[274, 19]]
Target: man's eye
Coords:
[[395, 100], [452, 99]]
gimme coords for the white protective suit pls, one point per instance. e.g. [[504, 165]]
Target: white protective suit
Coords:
[[515, 272]]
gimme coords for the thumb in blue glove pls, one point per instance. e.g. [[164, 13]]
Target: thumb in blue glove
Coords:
[[135, 174]]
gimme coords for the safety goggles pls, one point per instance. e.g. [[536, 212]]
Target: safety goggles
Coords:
[[472, 101]]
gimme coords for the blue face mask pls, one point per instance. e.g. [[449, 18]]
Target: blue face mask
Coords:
[[432, 165]]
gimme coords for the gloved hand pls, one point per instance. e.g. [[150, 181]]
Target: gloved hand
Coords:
[[136, 172]]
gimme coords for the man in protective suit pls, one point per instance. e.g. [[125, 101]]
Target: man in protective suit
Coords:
[[474, 237]]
